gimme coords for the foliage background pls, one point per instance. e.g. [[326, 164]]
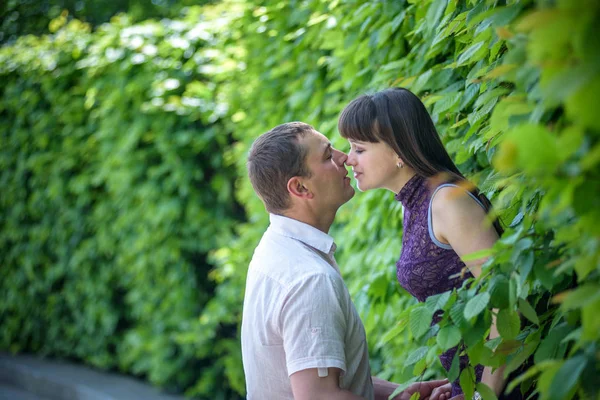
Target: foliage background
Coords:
[[122, 165]]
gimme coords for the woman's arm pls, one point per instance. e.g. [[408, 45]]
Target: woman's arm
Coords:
[[460, 221]]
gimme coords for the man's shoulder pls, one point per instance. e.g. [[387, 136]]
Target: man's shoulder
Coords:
[[288, 261], [287, 272]]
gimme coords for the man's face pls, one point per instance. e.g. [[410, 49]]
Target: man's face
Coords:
[[329, 179]]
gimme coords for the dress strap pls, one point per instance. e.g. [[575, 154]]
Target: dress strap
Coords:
[[429, 218]]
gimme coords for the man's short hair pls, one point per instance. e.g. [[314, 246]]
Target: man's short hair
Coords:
[[274, 158]]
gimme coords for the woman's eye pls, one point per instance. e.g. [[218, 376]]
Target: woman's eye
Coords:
[[357, 151]]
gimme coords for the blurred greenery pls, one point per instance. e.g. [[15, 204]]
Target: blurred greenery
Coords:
[[21, 17], [128, 222]]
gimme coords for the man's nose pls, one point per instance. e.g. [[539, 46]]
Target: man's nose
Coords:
[[341, 157], [350, 160]]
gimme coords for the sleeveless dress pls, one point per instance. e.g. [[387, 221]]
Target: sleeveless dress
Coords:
[[426, 264]]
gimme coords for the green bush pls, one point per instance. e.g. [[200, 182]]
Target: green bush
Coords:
[[104, 234], [22, 17], [511, 87], [116, 183]]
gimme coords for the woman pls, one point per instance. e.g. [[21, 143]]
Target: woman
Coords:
[[394, 145]]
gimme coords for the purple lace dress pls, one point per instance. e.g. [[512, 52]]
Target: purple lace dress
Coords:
[[425, 264]]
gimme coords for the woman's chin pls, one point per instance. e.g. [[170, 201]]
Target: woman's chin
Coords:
[[362, 188]]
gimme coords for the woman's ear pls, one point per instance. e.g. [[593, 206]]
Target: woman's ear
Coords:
[[399, 162], [297, 187]]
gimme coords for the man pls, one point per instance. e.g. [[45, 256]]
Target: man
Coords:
[[302, 337]]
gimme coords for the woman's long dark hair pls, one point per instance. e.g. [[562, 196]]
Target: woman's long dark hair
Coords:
[[398, 118]]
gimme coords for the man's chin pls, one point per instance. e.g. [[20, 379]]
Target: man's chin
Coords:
[[351, 194]]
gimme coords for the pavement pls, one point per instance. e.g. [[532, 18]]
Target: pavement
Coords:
[[24, 377], [8, 392]]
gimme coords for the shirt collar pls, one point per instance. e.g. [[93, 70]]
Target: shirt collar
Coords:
[[303, 232]]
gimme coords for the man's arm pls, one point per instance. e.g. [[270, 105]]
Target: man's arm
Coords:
[[382, 388], [308, 385]]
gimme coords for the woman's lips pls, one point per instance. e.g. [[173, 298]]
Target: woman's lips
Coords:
[[357, 174]]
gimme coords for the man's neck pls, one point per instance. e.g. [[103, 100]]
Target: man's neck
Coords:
[[320, 220]]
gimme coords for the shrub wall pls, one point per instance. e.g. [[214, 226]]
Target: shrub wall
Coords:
[[121, 161]]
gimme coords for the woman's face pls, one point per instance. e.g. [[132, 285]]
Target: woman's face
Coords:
[[375, 165]]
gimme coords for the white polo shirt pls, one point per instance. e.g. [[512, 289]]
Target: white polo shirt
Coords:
[[298, 314]]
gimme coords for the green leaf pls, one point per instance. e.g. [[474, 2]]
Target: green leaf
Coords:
[[467, 381], [519, 358], [435, 12], [477, 255], [579, 105], [546, 379], [530, 373], [447, 102], [550, 346], [544, 275], [438, 301], [421, 82], [574, 335], [420, 320], [448, 337], [485, 392], [402, 387], [469, 53], [454, 368], [499, 290], [590, 321], [508, 324], [384, 34], [536, 148], [579, 297], [420, 367], [528, 311], [393, 332], [477, 332], [566, 377], [486, 356], [416, 355], [476, 305], [458, 316]]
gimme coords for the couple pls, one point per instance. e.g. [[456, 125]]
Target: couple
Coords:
[[302, 337]]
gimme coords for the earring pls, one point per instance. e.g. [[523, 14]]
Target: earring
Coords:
[[400, 165]]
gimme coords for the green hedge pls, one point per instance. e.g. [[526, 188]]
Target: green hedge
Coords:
[[122, 183], [512, 87], [22, 17], [116, 183]]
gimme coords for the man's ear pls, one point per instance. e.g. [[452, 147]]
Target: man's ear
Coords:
[[296, 187]]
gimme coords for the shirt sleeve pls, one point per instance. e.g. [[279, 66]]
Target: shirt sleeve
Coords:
[[313, 323]]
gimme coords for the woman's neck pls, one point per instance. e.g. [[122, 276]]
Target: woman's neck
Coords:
[[404, 175]]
